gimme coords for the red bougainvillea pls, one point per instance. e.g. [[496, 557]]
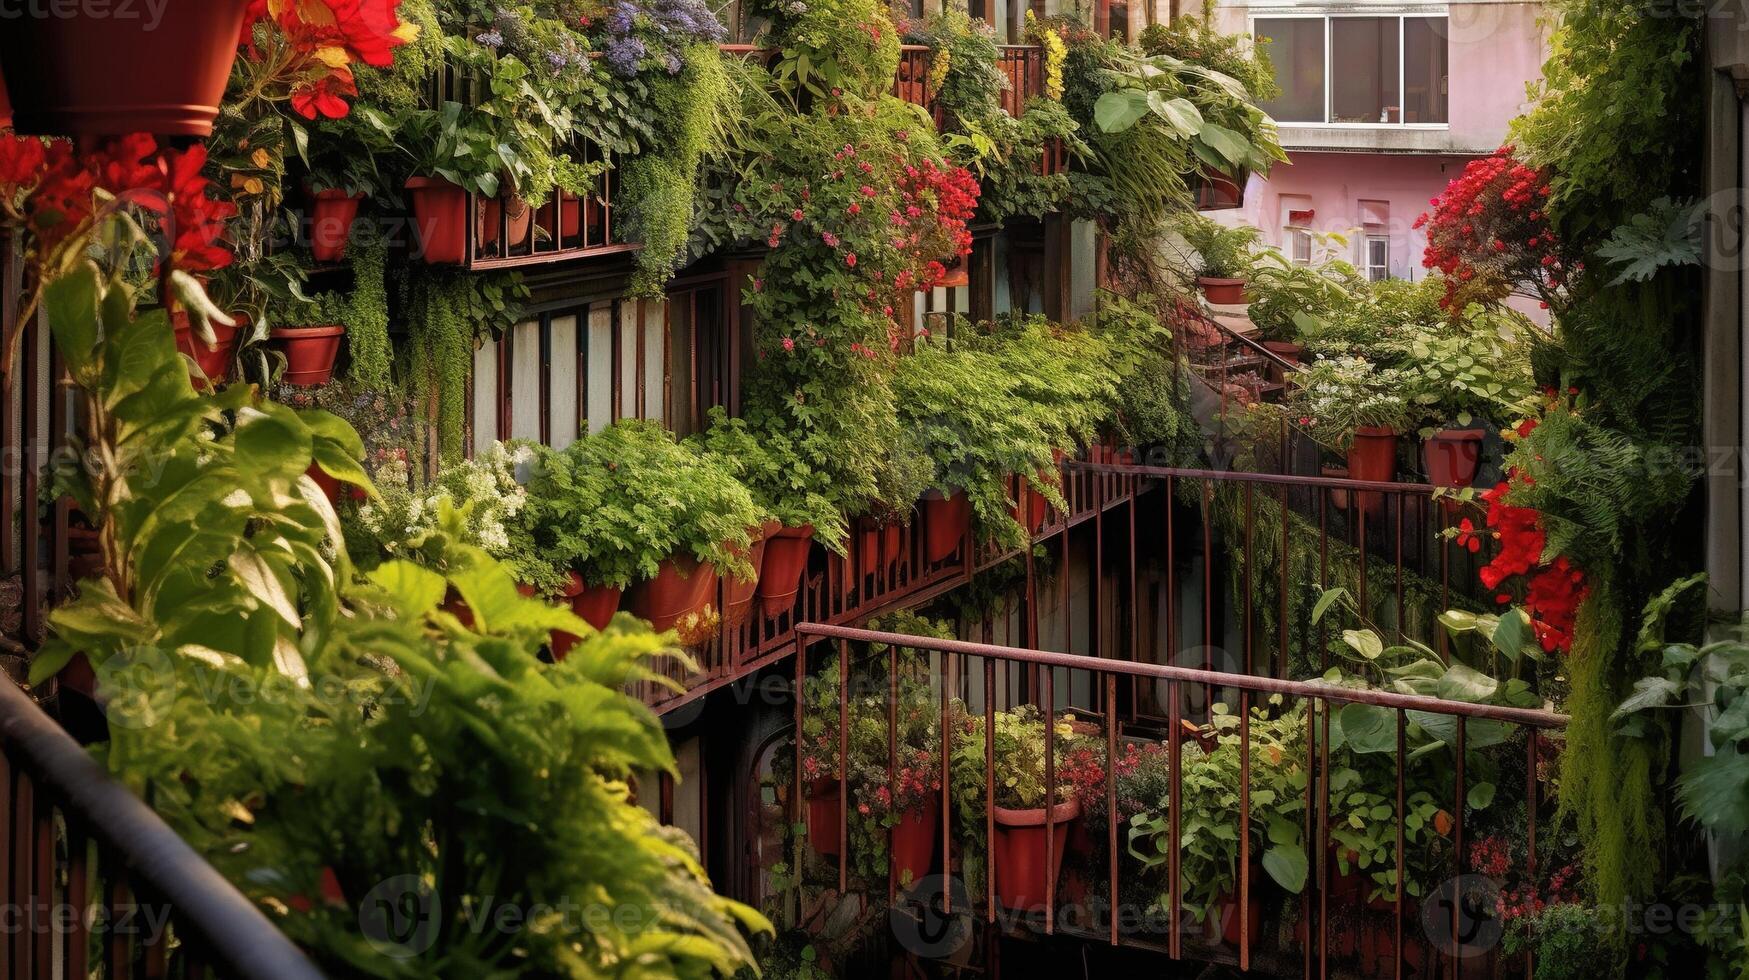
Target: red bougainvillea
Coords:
[[1553, 590], [1489, 235], [318, 41]]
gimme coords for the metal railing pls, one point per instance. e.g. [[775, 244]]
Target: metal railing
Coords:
[[89, 868], [1031, 676]]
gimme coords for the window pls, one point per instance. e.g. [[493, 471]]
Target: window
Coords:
[[1351, 70], [1299, 242], [1378, 258]]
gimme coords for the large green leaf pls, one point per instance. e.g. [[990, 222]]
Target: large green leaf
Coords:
[[1715, 792], [1368, 728], [1462, 683], [1288, 866], [1118, 110], [1228, 144]]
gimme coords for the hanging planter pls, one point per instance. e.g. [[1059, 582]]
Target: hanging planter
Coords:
[[825, 809], [214, 361], [1220, 291], [1018, 854], [93, 70], [1372, 457], [570, 216], [1338, 498], [332, 213], [780, 574], [913, 850], [309, 352], [877, 545], [946, 521], [488, 215], [738, 593], [1453, 457], [440, 214], [5, 104], [683, 586]]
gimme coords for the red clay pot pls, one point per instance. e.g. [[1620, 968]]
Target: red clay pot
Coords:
[[331, 215], [780, 573], [1224, 920], [1222, 292], [1373, 457], [5, 105], [946, 521], [309, 352], [913, 851], [876, 545], [1453, 457], [456, 606], [487, 214], [77, 70], [440, 211], [561, 642], [215, 362], [1031, 508], [596, 604], [1018, 854], [1338, 498], [330, 486], [738, 593], [570, 216], [825, 806], [683, 586]]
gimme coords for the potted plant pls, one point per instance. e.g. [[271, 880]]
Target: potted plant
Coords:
[[1289, 299], [454, 154], [1463, 378], [767, 461], [631, 508], [89, 71], [1223, 256], [1353, 406], [1017, 855], [307, 331], [213, 359]]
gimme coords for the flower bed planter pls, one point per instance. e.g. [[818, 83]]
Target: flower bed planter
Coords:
[[214, 362], [84, 70], [825, 807], [682, 587], [1222, 292], [309, 352], [332, 213], [781, 568], [1018, 854], [913, 850], [487, 215], [1453, 457], [738, 593], [946, 519], [1372, 457], [877, 545], [440, 213]]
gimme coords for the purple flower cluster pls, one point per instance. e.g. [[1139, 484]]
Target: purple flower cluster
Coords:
[[490, 39], [637, 30], [625, 55]]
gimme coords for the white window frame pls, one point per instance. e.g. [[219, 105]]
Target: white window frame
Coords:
[[1399, 12], [1298, 238], [1384, 269]]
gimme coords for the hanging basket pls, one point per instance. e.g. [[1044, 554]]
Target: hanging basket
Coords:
[[100, 70], [332, 213], [440, 215]]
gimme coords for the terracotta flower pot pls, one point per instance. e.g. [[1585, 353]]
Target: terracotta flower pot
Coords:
[[488, 213], [1372, 457], [88, 70], [5, 105], [913, 851], [1338, 498], [1287, 351], [309, 352], [562, 642], [946, 520], [1031, 508], [877, 545], [781, 568], [1018, 854], [331, 215], [1453, 457], [683, 586], [738, 593], [1224, 923], [570, 216], [1222, 292], [456, 606], [825, 806], [440, 212], [596, 604], [214, 362], [330, 487]]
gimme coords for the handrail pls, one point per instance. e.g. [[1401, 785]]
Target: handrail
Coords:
[[239, 936], [1246, 476], [1532, 717]]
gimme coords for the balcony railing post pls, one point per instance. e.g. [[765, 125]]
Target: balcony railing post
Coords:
[[843, 766]]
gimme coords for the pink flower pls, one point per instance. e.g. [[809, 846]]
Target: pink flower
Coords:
[[789, 343], [850, 260]]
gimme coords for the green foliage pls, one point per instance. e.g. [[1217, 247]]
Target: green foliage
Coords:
[[832, 49], [1564, 939], [1335, 397], [1153, 409], [1667, 234], [769, 463], [367, 316], [1196, 40], [1287, 297], [1477, 373], [614, 505], [1222, 251], [447, 314], [996, 405], [313, 734]]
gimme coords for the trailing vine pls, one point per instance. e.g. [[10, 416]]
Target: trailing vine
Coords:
[[367, 316]]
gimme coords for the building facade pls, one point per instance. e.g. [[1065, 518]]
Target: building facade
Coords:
[[1381, 106]]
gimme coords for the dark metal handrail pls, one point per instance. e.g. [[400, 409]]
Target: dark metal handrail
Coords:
[[236, 934]]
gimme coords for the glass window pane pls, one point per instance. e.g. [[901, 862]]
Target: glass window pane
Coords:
[[1296, 48], [1426, 70], [1363, 88]]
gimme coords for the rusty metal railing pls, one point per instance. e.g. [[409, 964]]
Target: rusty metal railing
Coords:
[[952, 670]]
